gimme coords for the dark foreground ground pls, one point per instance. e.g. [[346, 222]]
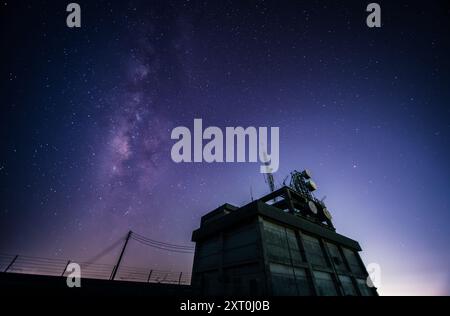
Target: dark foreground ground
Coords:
[[15, 283]]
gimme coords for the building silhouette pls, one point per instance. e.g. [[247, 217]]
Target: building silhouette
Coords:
[[281, 244]]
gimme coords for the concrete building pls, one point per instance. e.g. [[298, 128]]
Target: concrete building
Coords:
[[281, 244]]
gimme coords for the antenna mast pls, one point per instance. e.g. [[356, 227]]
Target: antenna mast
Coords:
[[268, 175]]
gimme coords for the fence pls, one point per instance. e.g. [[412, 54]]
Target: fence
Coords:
[[57, 267]]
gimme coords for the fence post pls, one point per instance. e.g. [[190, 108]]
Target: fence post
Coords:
[[179, 279], [11, 263], [65, 268], [149, 275]]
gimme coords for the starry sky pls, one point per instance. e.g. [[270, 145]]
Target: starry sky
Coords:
[[86, 117]]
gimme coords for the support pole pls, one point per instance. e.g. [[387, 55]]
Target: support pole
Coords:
[[65, 268], [289, 200], [116, 267], [12, 262], [149, 276]]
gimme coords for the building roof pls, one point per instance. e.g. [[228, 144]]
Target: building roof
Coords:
[[231, 216]]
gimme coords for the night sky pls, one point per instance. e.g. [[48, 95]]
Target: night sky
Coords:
[[86, 117]]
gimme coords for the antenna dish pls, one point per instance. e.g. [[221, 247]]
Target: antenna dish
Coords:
[[311, 185], [327, 213], [306, 174], [312, 207]]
